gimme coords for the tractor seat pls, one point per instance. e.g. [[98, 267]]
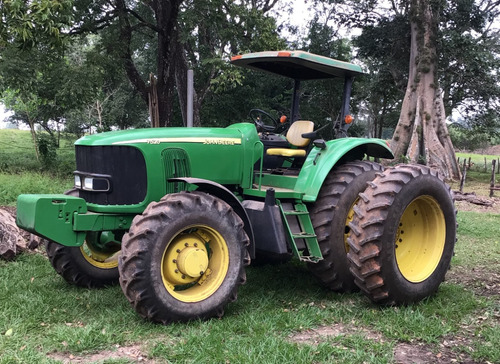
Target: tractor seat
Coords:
[[294, 137]]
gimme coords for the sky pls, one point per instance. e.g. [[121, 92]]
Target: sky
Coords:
[[3, 114]]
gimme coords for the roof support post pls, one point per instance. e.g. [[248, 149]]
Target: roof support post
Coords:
[[295, 112], [346, 110]]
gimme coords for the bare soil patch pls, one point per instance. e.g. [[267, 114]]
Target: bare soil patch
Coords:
[[132, 353], [482, 281], [448, 351], [420, 353], [467, 206], [493, 150], [320, 334]]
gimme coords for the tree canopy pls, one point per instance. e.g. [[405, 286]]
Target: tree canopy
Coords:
[[95, 64]]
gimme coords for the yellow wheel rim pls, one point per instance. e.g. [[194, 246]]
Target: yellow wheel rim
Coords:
[[420, 239], [347, 230], [103, 260], [195, 263]]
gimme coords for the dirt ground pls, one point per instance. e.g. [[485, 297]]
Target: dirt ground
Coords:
[[467, 206], [493, 150]]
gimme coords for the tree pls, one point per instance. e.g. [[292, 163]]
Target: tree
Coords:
[[435, 28], [421, 133], [26, 23], [166, 38], [210, 32], [383, 48], [322, 99], [121, 24]]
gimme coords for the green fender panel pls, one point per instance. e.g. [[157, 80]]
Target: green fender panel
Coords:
[[319, 162]]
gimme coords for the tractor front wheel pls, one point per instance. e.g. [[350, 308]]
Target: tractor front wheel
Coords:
[[402, 235], [85, 266], [92, 265], [184, 258]]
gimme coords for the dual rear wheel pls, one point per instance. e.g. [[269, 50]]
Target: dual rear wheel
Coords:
[[390, 233]]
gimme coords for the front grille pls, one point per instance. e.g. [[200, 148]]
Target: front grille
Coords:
[[124, 164], [176, 165]]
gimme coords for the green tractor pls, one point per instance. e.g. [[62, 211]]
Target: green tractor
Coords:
[[175, 214]]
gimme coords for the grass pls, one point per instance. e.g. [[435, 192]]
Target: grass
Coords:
[[20, 172], [17, 154], [12, 185], [481, 232], [478, 163], [44, 315]]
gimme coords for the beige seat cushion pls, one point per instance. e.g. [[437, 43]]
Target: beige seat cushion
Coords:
[[294, 134]]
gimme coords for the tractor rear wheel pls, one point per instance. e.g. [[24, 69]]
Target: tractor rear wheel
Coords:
[[184, 258], [92, 265], [403, 235], [331, 214]]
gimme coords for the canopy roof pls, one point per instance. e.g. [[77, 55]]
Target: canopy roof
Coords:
[[298, 65]]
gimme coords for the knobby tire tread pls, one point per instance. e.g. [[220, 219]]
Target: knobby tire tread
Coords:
[[329, 209], [136, 257], [69, 263], [367, 239]]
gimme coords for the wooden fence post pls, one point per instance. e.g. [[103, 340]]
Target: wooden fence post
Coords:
[[464, 173], [492, 183]]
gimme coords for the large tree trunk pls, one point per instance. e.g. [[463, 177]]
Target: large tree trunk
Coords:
[[421, 135], [166, 13]]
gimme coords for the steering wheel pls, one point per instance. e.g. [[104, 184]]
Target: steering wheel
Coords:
[[263, 120]]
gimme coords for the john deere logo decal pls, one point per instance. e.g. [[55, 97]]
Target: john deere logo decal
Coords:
[[200, 140]]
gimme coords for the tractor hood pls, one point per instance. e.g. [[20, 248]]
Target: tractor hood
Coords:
[[153, 136], [129, 168]]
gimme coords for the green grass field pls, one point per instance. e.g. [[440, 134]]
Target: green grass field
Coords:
[[478, 162], [20, 172], [282, 314], [279, 317]]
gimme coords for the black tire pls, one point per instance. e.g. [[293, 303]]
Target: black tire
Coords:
[[79, 265], [403, 235], [330, 216], [173, 236], [86, 266]]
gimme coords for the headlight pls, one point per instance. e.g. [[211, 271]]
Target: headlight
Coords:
[[78, 181], [92, 182]]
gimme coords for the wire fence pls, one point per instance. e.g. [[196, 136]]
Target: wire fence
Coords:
[[492, 165]]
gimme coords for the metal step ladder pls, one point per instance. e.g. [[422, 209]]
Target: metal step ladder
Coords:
[[312, 253]]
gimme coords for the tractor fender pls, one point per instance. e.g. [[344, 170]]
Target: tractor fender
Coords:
[[320, 162], [218, 190]]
